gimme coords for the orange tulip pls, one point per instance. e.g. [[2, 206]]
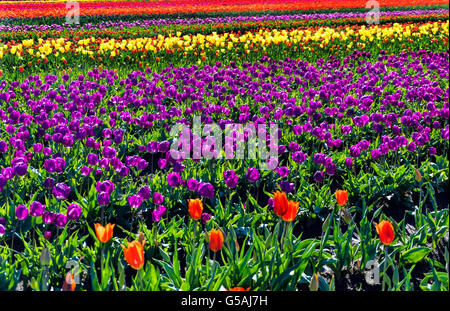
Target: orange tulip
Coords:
[[238, 289], [104, 234], [69, 284], [291, 211], [385, 231], [134, 254], [341, 197], [280, 205], [195, 208], [215, 240]]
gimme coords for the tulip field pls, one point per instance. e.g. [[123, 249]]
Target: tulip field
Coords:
[[135, 142]]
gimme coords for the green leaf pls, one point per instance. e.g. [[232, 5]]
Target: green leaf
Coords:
[[415, 255]]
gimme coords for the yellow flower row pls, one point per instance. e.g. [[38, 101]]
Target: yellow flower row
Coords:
[[228, 41]]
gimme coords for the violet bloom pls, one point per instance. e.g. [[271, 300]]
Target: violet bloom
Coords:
[[2, 230], [318, 176], [37, 148], [61, 220], [142, 164], [286, 186], [48, 217], [432, 151], [158, 198], [103, 198], [299, 157], [192, 184], [270, 202], [73, 211], [283, 171], [331, 169], [85, 170], [206, 190], [135, 201], [318, 158], [162, 164], [206, 217], [355, 151], [412, 147], [92, 159], [158, 213], [106, 186], [3, 181], [49, 183], [61, 191], [3, 146], [231, 179], [174, 179], [7, 172], [19, 165], [349, 162], [145, 192], [21, 212], [47, 235], [36, 209], [375, 154], [252, 174]]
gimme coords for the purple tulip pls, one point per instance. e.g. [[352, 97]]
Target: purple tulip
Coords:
[[145, 193], [318, 176], [21, 212], [49, 183], [206, 190], [206, 217], [158, 198], [252, 174], [73, 211], [20, 166], [48, 217], [286, 186], [135, 201], [61, 220], [103, 198], [283, 171], [61, 191], [192, 184], [3, 146], [92, 159], [349, 162], [174, 179], [36, 209], [298, 157], [158, 213], [231, 179]]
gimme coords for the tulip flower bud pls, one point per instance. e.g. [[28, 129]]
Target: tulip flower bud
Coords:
[[314, 284], [45, 257]]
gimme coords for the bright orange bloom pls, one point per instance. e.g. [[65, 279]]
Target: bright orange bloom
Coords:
[[385, 231], [291, 211], [280, 205], [215, 240], [104, 234], [341, 197], [195, 208], [238, 289], [134, 254], [69, 284]]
